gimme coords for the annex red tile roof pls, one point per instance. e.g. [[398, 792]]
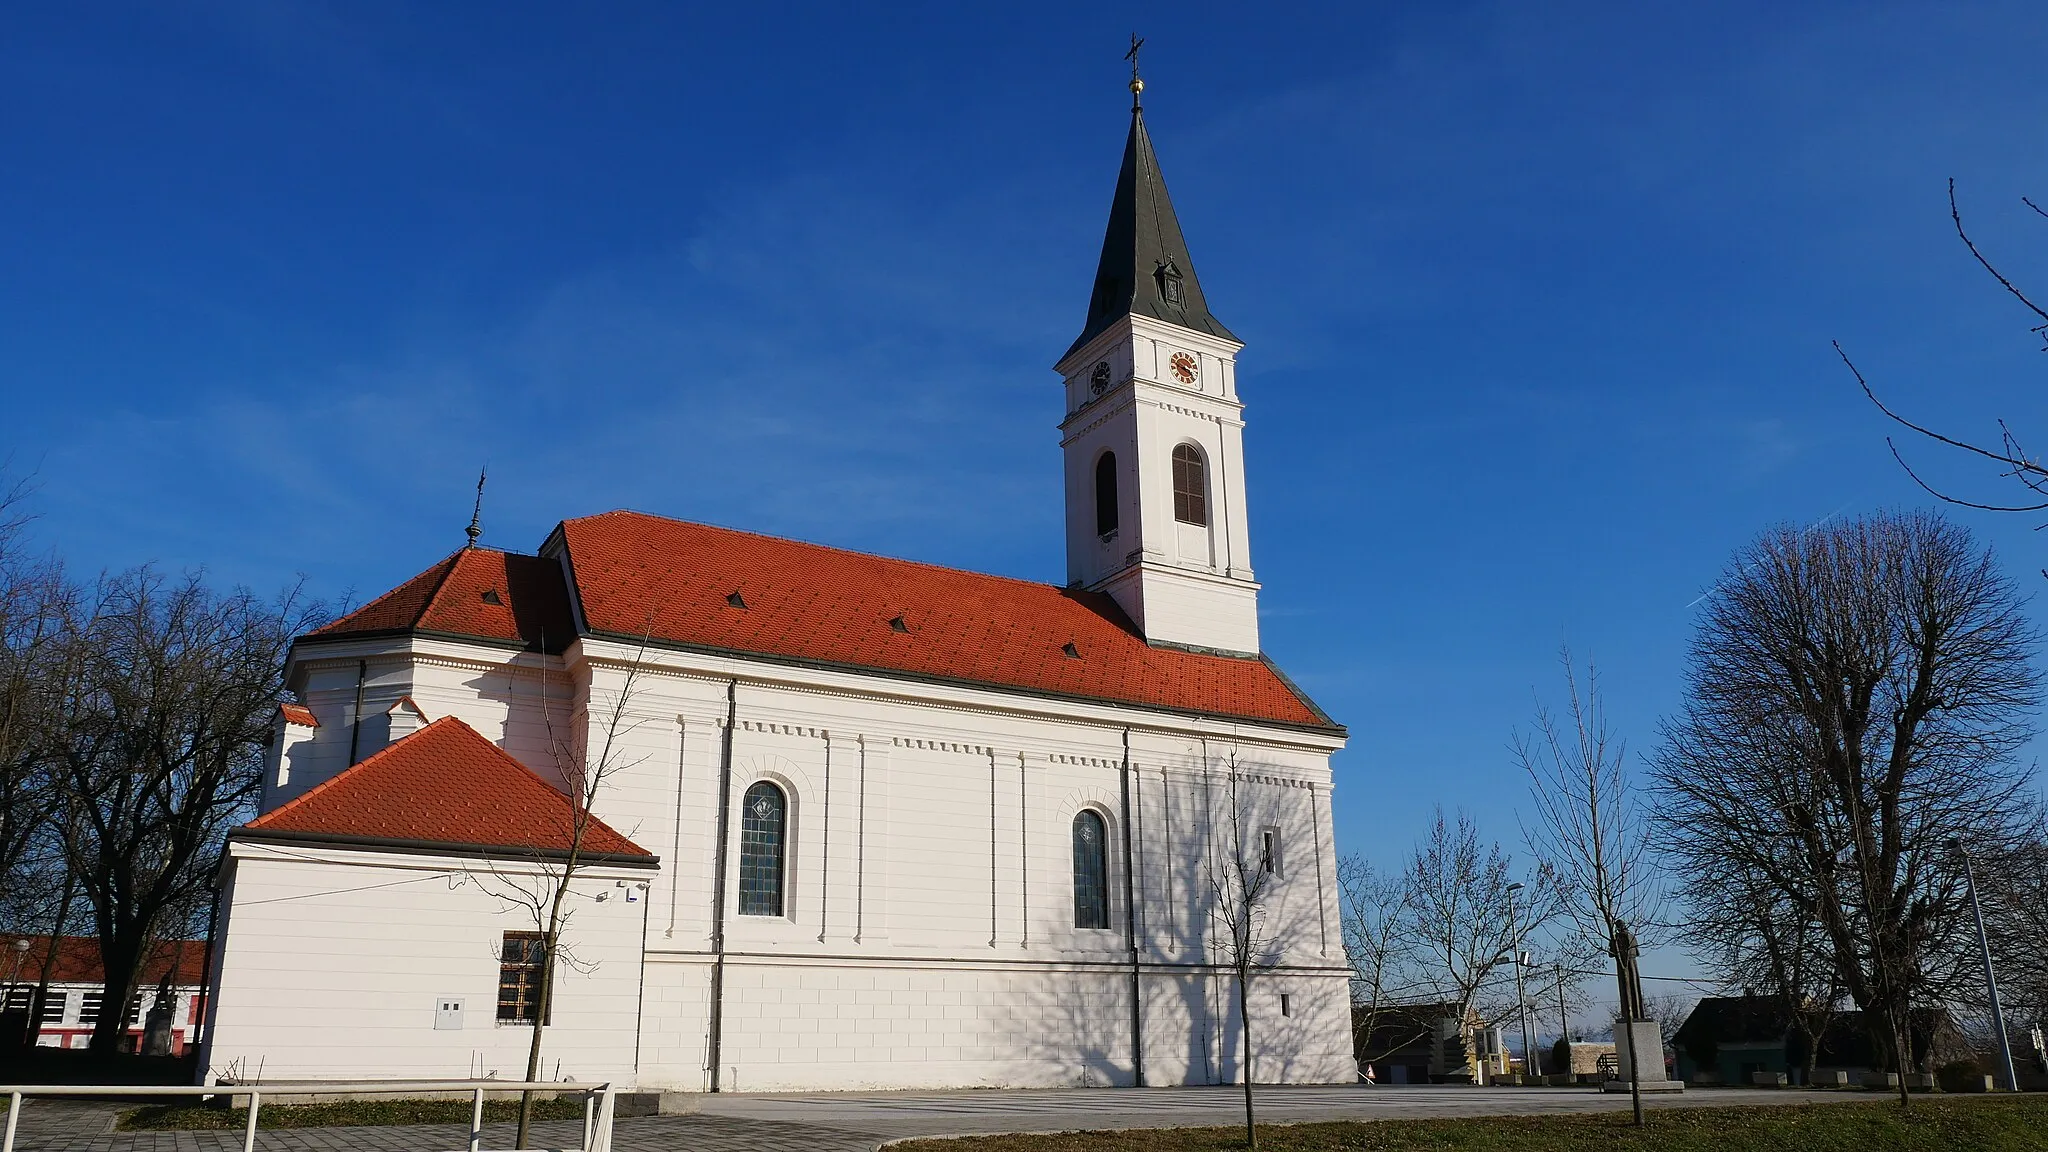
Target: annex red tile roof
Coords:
[[78, 961], [443, 785], [477, 592], [670, 579], [298, 714]]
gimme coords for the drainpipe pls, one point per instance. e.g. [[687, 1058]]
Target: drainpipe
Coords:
[[355, 727], [717, 1032], [1131, 926]]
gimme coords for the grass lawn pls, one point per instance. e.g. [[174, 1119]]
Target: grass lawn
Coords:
[[1967, 1124], [342, 1113]]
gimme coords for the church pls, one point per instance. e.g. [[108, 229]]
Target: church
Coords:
[[810, 819]]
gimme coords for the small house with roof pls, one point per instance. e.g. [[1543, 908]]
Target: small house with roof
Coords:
[[1731, 1039]]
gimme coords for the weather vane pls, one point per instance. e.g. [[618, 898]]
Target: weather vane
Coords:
[[1137, 85], [476, 517]]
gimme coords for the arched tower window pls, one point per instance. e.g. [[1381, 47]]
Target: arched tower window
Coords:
[[1105, 495], [1190, 486], [763, 842], [1091, 872]]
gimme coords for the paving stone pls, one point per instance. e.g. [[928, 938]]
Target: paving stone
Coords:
[[860, 1122]]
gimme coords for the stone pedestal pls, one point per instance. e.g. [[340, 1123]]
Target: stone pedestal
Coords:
[[1649, 1046]]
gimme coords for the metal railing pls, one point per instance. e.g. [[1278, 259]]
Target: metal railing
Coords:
[[598, 1100]]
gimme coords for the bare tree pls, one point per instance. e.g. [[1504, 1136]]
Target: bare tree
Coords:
[[1241, 872], [34, 604], [1589, 825], [1857, 695], [2010, 457], [165, 695], [1371, 907], [588, 750], [2013, 886], [1758, 939], [1466, 916]]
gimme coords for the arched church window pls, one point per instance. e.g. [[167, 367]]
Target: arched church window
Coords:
[[763, 840], [1091, 872], [1190, 486], [1105, 495]]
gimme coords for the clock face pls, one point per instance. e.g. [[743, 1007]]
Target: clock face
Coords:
[[1099, 379], [1185, 367]]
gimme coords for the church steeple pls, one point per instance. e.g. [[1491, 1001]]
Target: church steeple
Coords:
[[1145, 269], [1154, 434]]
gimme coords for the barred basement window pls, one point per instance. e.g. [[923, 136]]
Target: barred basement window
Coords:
[[762, 841], [1091, 872], [1190, 486], [522, 964]]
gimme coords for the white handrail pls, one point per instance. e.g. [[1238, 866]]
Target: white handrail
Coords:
[[598, 1106]]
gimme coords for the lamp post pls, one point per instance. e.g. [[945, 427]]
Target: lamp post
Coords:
[[1521, 997], [21, 947], [2012, 1082]]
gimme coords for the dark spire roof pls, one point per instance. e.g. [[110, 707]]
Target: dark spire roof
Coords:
[[1143, 253]]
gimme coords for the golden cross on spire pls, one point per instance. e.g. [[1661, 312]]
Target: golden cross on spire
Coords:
[[1137, 85]]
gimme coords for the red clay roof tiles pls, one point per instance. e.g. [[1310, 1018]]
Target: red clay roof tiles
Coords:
[[298, 714], [444, 784], [477, 592], [675, 581], [671, 579], [78, 961]]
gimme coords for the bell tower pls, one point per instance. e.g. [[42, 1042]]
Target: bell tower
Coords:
[[1154, 432]]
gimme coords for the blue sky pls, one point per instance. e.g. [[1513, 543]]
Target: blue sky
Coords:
[[1538, 299]]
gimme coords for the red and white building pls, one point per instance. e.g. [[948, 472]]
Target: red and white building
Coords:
[[73, 1006], [871, 823]]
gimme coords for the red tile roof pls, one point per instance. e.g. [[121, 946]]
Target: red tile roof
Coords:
[[78, 961], [443, 785], [298, 714], [638, 574], [476, 593]]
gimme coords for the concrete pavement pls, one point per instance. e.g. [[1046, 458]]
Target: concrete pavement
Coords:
[[861, 1122]]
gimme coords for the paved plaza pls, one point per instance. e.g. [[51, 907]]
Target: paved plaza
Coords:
[[861, 1122]]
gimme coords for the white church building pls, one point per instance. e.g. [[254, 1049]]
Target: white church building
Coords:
[[862, 822]]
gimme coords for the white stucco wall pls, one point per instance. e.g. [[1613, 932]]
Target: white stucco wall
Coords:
[[928, 938], [332, 964]]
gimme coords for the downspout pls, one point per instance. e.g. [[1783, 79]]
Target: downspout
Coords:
[[717, 1030], [205, 1015], [1131, 925], [355, 726]]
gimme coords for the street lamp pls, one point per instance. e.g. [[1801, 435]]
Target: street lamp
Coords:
[[1521, 998], [2012, 1082]]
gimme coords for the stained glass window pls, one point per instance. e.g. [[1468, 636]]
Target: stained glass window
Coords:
[[761, 846], [1091, 872], [1190, 486]]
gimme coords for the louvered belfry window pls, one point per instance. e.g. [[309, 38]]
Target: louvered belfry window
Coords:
[[1091, 872], [1190, 486], [762, 842]]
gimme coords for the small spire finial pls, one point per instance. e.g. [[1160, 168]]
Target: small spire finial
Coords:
[[1137, 85], [476, 517]]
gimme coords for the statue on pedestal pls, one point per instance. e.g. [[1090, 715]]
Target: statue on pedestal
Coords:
[[1623, 949]]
